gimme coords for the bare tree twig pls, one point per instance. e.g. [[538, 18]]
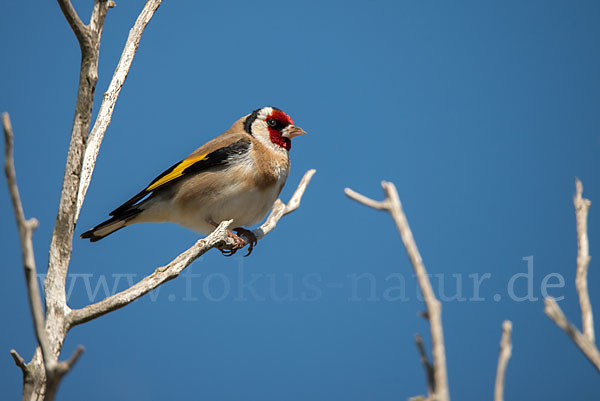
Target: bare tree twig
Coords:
[[97, 18], [61, 244], [44, 373], [163, 274], [79, 29], [589, 349], [54, 369], [585, 340], [26, 228], [582, 207], [505, 353], [109, 100], [427, 365], [280, 209], [392, 205], [19, 361]]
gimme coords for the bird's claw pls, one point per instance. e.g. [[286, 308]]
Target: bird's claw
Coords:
[[250, 238], [240, 242]]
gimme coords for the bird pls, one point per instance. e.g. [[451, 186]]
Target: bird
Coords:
[[236, 176]]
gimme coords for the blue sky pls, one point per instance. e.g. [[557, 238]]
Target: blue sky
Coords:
[[482, 113]]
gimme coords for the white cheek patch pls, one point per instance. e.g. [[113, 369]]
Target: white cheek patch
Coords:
[[260, 130]]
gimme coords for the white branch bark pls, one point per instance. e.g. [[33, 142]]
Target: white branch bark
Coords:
[[588, 348], [161, 275], [61, 243], [585, 340], [392, 205], [109, 100], [280, 209], [53, 368], [582, 207], [505, 353], [26, 228]]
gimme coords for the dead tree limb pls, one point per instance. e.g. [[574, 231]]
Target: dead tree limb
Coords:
[[109, 100], [392, 205], [584, 340], [504, 356], [54, 369]]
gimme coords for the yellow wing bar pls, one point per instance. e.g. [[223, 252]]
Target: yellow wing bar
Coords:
[[177, 171]]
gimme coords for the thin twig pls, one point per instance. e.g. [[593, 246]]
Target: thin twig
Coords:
[[109, 100], [378, 205], [79, 29], [53, 368], [163, 274], [392, 205], [582, 207], [426, 365], [19, 361], [588, 348], [26, 228], [585, 340], [505, 353], [280, 209]]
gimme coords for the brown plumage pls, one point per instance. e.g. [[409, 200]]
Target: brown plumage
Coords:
[[238, 175]]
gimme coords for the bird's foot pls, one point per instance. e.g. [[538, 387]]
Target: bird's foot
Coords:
[[240, 242], [250, 238]]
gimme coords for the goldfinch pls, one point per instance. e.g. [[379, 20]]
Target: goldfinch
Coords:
[[236, 176]]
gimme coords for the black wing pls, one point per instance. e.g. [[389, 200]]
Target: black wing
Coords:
[[190, 165]]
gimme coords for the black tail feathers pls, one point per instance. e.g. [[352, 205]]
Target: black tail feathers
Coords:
[[109, 226]]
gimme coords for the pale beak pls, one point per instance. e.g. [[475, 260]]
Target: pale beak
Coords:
[[292, 131]]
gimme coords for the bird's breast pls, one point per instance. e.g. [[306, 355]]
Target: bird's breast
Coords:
[[243, 191]]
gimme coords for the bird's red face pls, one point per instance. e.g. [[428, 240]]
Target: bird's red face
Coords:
[[276, 124]]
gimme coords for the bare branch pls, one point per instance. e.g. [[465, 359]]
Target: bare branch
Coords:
[[383, 205], [19, 361], [585, 340], [217, 238], [505, 353], [392, 205], [54, 369], [65, 366], [79, 29], [61, 244], [109, 100], [97, 19], [426, 364], [557, 316], [26, 228], [582, 206], [161, 275], [280, 209]]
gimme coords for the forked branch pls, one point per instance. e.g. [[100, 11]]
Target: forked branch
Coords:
[[392, 205], [589, 349], [584, 340], [109, 100], [54, 369]]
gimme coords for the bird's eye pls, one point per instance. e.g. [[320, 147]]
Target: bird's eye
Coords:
[[271, 122]]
